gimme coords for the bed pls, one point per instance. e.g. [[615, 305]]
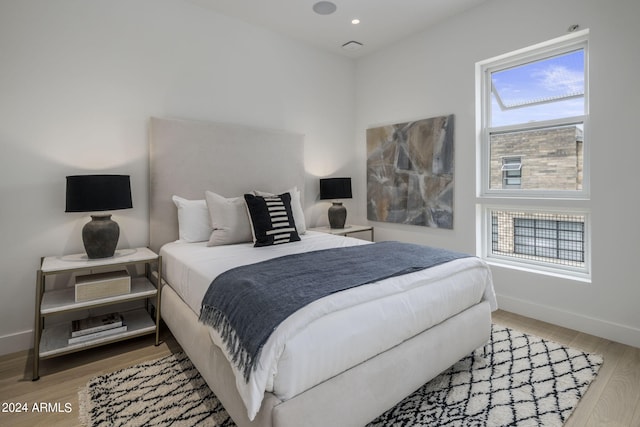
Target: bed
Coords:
[[313, 376]]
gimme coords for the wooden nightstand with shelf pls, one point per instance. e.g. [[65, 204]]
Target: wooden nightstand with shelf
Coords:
[[349, 229], [51, 339]]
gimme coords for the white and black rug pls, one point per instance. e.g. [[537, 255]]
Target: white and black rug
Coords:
[[517, 380], [164, 392]]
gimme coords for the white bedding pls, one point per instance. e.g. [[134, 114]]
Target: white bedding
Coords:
[[338, 331]]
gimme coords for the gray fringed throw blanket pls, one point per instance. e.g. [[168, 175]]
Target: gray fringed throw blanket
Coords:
[[246, 304]]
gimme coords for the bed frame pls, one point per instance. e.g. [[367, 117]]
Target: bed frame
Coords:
[[187, 158]]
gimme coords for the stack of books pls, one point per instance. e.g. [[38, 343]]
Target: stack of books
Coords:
[[95, 327]]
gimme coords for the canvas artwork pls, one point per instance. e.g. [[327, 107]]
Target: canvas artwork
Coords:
[[410, 173]]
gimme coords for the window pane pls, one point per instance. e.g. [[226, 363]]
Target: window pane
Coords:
[[494, 232], [525, 249], [551, 158], [526, 224], [571, 226], [571, 256], [575, 246], [551, 88], [540, 237], [548, 224], [570, 236]]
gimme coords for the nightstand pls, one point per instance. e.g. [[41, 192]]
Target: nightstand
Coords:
[[349, 229], [51, 339]]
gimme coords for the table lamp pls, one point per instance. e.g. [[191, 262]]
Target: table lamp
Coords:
[[336, 188], [94, 193]]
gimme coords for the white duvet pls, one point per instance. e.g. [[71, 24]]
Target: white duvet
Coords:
[[335, 332]]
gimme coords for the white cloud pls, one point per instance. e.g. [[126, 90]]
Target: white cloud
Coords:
[[559, 79]]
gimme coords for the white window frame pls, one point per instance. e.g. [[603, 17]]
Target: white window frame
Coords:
[[560, 201]]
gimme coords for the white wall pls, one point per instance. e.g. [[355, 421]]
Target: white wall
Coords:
[[432, 73], [79, 80]]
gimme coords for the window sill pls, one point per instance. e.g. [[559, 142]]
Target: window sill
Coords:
[[547, 271]]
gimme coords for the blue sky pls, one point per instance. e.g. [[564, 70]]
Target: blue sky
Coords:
[[542, 90]]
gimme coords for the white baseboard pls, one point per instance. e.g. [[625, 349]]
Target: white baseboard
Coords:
[[589, 325], [18, 341]]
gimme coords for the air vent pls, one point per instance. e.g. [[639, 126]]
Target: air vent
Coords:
[[352, 45]]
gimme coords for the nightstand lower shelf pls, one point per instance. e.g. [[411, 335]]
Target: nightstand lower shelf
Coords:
[[55, 338]]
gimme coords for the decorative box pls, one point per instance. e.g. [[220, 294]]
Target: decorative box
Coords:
[[102, 285]]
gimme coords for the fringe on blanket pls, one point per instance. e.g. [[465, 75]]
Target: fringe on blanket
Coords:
[[240, 357]]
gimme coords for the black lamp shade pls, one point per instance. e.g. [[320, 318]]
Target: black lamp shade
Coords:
[[93, 193], [335, 188]]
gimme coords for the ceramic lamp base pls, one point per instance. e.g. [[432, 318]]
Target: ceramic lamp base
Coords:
[[337, 215], [100, 236]]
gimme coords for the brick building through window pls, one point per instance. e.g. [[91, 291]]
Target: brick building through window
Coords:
[[549, 158]]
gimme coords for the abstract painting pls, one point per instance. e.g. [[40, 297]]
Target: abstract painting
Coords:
[[410, 173]]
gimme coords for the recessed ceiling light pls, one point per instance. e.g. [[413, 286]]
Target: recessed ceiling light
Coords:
[[352, 45], [355, 21], [324, 8]]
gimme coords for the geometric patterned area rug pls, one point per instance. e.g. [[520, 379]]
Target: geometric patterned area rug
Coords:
[[523, 380], [515, 380]]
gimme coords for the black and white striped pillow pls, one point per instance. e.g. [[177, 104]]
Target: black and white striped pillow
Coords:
[[271, 219]]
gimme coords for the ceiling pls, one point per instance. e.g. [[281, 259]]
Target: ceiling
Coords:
[[382, 22]]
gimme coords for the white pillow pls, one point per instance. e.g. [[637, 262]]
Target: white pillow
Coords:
[[296, 207], [194, 224], [229, 220]]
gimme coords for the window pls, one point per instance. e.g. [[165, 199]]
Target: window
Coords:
[[511, 172], [533, 119], [549, 238]]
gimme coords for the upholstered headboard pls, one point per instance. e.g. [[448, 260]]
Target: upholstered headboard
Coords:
[[187, 158]]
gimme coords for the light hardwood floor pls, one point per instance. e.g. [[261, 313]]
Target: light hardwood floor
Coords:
[[613, 399]]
